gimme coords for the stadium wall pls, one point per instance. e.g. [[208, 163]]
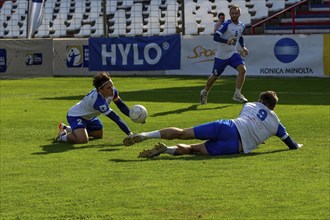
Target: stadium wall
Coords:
[[26, 58], [271, 55]]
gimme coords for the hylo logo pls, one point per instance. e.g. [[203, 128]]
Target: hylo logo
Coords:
[[151, 53]]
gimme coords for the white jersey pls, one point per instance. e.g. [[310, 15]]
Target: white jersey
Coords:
[[92, 105], [256, 123], [229, 30]]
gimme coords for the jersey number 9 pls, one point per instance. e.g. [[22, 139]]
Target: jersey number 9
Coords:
[[262, 114]]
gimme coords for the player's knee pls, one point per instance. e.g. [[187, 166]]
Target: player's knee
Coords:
[[96, 134], [82, 140], [242, 70], [187, 134]]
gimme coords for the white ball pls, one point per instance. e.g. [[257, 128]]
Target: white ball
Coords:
[[138, 113]]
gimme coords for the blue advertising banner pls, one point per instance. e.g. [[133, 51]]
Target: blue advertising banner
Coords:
[[135, 53], [3, 60]]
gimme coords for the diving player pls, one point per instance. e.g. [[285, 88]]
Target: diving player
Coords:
[[83, 117], [256, 123]]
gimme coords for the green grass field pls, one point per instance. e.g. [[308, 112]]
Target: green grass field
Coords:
[[105, 180]]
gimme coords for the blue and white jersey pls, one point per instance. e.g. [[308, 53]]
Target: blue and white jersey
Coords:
[[229, 30], [92, 105], [256, 123]]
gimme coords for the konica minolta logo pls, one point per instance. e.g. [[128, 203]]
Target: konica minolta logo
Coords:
[[286, 50]]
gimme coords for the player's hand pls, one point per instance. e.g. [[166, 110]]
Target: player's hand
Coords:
[[231, 41], [244, 52], [300, 145]]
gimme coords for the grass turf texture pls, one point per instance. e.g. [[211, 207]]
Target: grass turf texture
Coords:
[[105, 180]]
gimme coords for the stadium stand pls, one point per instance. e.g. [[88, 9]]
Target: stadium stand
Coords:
[[311, 18], [85, 18]]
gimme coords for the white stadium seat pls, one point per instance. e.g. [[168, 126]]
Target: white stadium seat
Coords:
[[276, 5], [84, 18]]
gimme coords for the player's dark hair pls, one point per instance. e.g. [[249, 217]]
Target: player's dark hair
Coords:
[[100, 79], [221, 14], [269, 99]]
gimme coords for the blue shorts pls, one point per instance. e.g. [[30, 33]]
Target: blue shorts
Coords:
[[93, 124], [220, 65], [222, 137]]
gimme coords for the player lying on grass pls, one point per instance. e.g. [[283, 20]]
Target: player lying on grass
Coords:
[[83, 117], [256, 123]]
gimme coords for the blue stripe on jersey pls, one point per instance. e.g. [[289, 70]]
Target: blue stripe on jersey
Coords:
[[224, 26], [101, 104], [281, 132]]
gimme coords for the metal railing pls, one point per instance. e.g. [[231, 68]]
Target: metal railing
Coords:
[[292, 8]]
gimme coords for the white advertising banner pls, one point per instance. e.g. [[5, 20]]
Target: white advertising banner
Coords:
[[26, 58], [271, 55]]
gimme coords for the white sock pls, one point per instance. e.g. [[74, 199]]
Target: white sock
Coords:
[[152, 134], [238, 91], [171, 150], [68, 129], [63, 138]]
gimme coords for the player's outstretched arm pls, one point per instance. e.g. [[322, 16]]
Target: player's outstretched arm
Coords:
[[122, 106], [123, 126], [291, 143]]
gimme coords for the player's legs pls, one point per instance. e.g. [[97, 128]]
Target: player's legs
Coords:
[[240, 79], [78, 136], [179, 149], [81, 130], [208, 86], [221, 147], [210, 81], [166, 133], [218, 68], [191, 149], [96, 134], [177, 133], [222, 137], [238, 63], [81, 136], [94, 128], [65, 127]]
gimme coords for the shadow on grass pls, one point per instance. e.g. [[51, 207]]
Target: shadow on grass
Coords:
[[63, 147], [189, 108], [221, 94], [197, 157]]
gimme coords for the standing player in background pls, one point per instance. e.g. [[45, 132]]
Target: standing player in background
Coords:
[[256, 123], [229, 35], [83, 117], [221, 19]]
